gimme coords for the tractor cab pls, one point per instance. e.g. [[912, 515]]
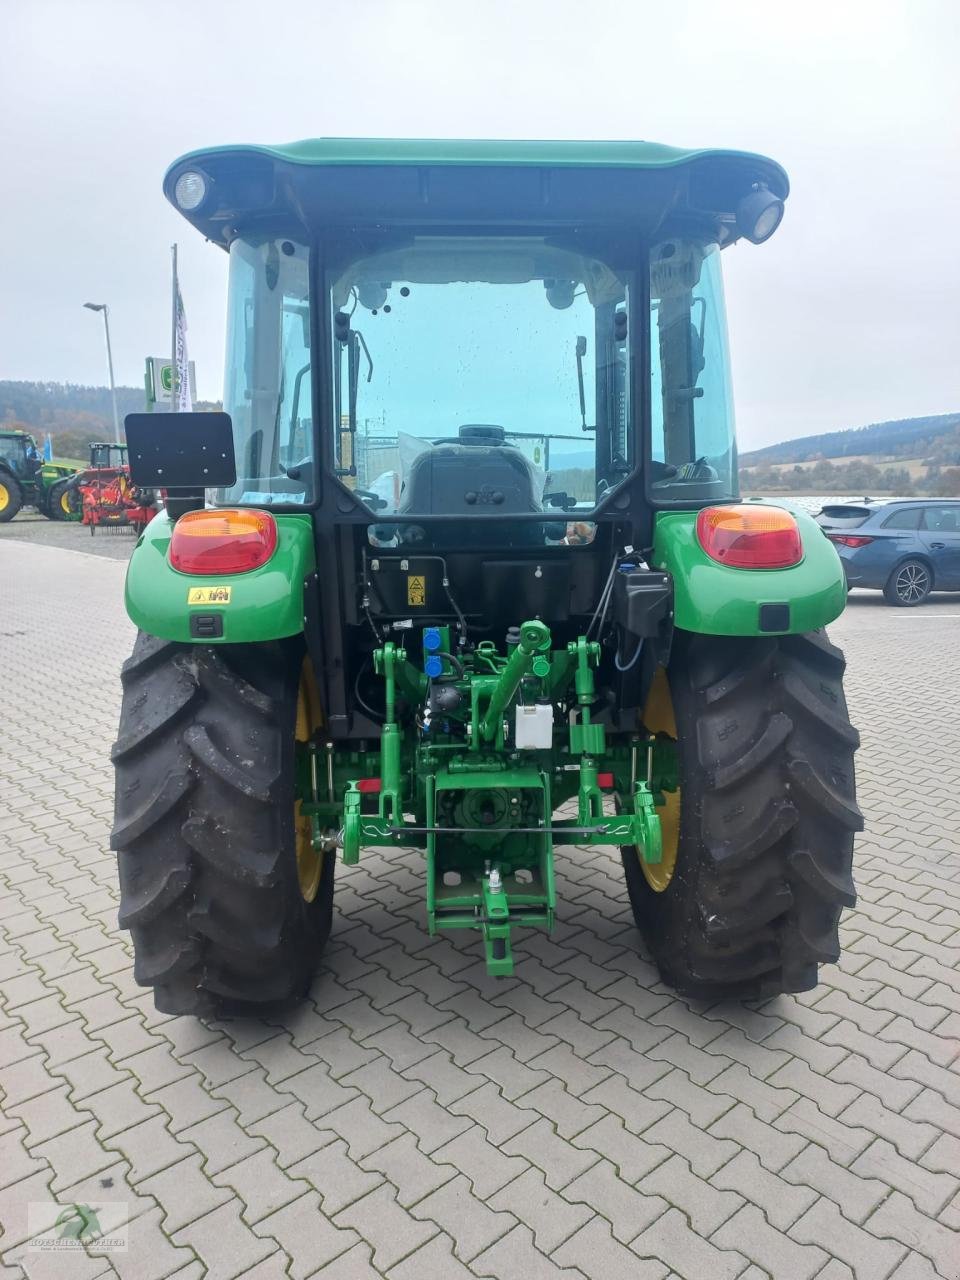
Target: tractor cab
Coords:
[[384, 297], [19, 454], [108, 455]]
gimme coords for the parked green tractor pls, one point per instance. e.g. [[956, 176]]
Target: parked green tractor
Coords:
[[27, 480], [463, 570]]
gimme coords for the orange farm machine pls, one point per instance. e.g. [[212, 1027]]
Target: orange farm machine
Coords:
[[106, 494]]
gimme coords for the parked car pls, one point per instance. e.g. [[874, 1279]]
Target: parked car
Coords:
[[906, 549]]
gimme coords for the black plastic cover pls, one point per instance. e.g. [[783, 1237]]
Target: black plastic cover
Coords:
[[642, 599], [181, 450]]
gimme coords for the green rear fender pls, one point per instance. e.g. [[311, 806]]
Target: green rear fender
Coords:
[[264, 604], [716, 600]]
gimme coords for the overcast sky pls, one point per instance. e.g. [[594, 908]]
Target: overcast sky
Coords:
[[849, 315]]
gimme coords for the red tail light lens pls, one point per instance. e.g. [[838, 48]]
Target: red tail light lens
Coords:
[[222, 541], [849, 539], [750, 537]]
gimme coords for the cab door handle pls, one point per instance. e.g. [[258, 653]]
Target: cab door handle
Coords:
[[938, 546]]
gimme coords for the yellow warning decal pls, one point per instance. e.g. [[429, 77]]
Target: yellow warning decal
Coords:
[[416, 590], [209, 595]]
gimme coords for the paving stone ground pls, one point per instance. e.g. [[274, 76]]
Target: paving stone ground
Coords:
[[417, 1120], [28, 525]]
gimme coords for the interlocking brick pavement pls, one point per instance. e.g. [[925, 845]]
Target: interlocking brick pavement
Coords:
[[417, 1119]]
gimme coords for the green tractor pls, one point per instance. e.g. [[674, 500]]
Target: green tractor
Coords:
[[27, 480], [464, 570]]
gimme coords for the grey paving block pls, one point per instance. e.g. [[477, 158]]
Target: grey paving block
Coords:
[[853, 1191], [516, 1257], [413, 1174], [592, 1251], [706, 1203], [185, 1192], [228, 1247], [471, 1223], [898, 1219], [749, 1232], [432, 1261], [381, 1222], [332, 1172], [627, 1210], [261, 1184], [431, 1124], [552, 1218], [869, 1257], [289, 1133], [485, 1165], [671, 1240], [782, 1202]]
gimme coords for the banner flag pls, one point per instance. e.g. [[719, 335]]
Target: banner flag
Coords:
[[182, 400]]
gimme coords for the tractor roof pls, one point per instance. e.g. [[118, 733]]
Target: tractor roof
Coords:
[[434, 181]]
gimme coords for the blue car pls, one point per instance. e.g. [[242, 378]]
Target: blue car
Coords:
[[906, 549]]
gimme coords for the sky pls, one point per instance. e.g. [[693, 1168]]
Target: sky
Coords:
[[848, 315]]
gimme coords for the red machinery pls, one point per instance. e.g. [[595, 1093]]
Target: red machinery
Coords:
[[107, 496]]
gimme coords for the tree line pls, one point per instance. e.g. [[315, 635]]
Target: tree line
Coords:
[[856, 476]]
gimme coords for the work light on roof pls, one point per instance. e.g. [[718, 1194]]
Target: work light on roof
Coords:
[[190, 191], [759, 214]]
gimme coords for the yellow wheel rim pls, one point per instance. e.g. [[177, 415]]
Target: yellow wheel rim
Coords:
[[4, 497], [65, 503], [659, 718], [309, 860]]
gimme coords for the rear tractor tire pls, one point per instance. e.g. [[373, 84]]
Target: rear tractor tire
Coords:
[[63, 501], [11, 497], [758, 837], [228, 906]]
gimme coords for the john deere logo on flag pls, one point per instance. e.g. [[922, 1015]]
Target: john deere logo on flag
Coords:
[[160, 378]]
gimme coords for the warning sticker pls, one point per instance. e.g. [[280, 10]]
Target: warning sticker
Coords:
[[416, 590], [209, 595]]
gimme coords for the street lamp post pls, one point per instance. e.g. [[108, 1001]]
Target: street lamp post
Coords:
[[102, 306]]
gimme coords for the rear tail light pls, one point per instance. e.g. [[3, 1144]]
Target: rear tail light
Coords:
[[226, 541], [849, 539], [750, 537]]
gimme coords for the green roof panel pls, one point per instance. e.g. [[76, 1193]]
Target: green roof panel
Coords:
[[323, 180]]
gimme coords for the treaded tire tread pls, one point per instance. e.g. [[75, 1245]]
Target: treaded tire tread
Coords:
[[15, 498], [768, 816], [204, 828], [54, 510]]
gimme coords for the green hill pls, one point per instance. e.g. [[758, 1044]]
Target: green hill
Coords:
[[901, 457], [935, 438]]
